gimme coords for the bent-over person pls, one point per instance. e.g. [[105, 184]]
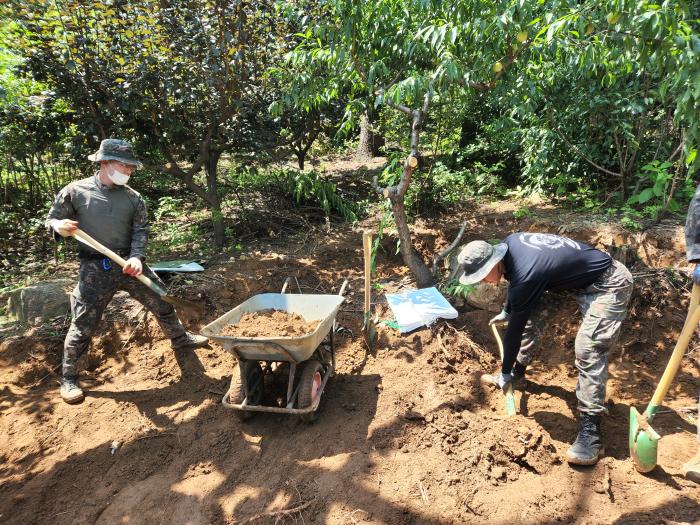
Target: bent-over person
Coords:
[[535, 263]]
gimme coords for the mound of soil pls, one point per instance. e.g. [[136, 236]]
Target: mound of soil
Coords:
[[270, 323]]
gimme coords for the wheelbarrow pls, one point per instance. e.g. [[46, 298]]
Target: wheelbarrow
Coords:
[[258, 356]]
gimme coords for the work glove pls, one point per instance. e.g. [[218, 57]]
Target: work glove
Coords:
[[696, 274], [503, 380], [503, 316], [64, 227], [133, 267]]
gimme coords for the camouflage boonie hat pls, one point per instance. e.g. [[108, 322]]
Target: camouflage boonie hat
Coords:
[[115, 149], [476, 260]]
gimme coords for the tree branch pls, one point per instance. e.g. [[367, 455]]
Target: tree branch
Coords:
[[678, 149], [583, 155], [404, 109], [444, 253]]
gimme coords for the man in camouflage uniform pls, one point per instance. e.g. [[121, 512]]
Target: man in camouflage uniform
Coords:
[[535, 263], [692, 251], [115, 215]]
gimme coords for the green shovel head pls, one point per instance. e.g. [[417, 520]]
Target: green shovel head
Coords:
[[644, 440], [510, 402]]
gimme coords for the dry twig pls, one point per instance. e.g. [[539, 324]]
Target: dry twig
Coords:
[[277, 514], [423, 493]]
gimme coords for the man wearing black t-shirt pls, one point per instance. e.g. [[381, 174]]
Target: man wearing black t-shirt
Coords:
[[535, 263]]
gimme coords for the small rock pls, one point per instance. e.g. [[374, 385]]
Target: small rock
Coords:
[[498, 472], [114, 446]]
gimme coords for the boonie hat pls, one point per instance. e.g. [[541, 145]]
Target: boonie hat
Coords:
[[115, 149], [477, 259]]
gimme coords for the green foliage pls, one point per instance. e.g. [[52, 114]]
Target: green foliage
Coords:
[[385, 222], [302, 186], [657, 194], [168, 207], [523, 213], [604, 94], [442, 187], [174, 235], [454, 288], [307, 186], [631, 218]]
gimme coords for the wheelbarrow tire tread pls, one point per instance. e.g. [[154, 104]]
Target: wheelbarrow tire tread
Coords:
[[237, 393], [306, 393]]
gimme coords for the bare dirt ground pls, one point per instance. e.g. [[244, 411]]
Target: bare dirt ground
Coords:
[[406, 433]]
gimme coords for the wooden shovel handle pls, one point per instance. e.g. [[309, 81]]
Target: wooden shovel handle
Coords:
[[84, 237], [367, 249], [497, 335], [691, 323], [509, 396]]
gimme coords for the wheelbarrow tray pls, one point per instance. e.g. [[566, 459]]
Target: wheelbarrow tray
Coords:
[[312, 307]]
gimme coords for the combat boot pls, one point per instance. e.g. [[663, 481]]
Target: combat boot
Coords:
[[188, 340], [691, 469], [588, 447], [70, 391]]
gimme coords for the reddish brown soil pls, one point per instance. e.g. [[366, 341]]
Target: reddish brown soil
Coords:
[[270, 323], [406, 433]]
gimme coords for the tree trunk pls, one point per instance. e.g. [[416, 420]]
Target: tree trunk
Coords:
[[467, 132], [301, 157], [217, 217], [411, 257], [370, 142]]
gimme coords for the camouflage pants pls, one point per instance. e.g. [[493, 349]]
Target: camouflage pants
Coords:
[[604, 307], [96, 287]]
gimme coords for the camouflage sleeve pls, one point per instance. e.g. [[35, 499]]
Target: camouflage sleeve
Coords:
[[139, 230], [62, 208], [692, 229]]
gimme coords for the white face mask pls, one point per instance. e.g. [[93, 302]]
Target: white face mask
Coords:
[[117, 177]]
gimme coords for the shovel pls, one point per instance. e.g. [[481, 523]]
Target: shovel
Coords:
[[509, 397], [369, 330], [644, 439], [92, 243]]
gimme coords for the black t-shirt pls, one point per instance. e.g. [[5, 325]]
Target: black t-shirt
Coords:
[[536, 262]]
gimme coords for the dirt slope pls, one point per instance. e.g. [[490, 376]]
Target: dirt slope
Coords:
[[406, 435]]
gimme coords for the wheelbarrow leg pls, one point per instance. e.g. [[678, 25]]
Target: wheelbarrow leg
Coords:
[[290, 384]]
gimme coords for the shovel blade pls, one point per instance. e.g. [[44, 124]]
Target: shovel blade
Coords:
[[196, 308], [508, 396], [644, 442]]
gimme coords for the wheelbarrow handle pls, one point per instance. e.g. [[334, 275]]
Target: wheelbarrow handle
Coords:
[[95, 245], [343, 288]]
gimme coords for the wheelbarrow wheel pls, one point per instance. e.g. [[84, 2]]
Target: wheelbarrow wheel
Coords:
[[310, 384], [253, 374]]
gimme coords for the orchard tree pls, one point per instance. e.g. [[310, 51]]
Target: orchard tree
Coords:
[[175, 76], [403, 54], [616, 84]]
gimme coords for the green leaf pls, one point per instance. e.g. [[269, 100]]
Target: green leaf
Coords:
[[646, 195]]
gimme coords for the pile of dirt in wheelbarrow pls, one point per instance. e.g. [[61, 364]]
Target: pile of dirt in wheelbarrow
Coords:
[[270, 323], [406, 434]]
